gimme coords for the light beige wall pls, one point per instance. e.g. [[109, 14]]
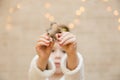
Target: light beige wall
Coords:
[[97, 33]]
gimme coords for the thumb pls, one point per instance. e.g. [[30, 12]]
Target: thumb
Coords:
[[51, 43]]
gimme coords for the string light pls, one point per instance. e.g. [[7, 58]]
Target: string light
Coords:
[[9, 19], [9, 27], [18, 6], [76, 21], [115, 12], [119, 27], [47, 15], [82, 9], [119, 20], [47, 5], [109, 8], [83, 0], [71, 25], [51, 18], [78, 12], [11, 10], [105, 0]]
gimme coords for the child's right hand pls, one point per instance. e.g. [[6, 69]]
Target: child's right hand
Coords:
[[43, 48]]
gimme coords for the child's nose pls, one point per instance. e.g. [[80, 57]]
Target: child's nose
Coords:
[[58, 55], [57, 58]]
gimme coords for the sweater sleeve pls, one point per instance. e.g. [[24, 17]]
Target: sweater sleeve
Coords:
[[77, 73], [36, 74]]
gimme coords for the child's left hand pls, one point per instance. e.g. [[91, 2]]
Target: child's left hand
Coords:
[[68, 42]]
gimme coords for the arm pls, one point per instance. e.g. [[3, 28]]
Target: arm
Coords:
[[72, 63], [38, 65], [35, 73], [75, 74]]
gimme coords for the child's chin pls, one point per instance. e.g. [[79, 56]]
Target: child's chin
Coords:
[[58, 72]]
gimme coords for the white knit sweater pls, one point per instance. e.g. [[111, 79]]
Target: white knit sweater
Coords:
[[77, 74]]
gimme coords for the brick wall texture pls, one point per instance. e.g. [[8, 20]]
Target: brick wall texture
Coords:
[[96, 27]]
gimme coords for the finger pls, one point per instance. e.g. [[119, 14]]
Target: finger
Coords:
[[45, 36], [65, 39], [72, 40], [64, 34], [44, 40], [51, 39], [39, 44], [51, 44]]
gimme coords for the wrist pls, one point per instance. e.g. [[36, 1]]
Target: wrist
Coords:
[[72, 62], [42, 63], [72, 54]]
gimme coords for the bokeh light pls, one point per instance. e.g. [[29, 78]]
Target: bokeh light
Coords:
[[18, 6], [119, 27], [71, 25], [51, 18], [115, 12], [8, 27], [109, 9], [11, 10], [47, 5]]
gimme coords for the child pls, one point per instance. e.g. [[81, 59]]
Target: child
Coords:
[[57, 57]]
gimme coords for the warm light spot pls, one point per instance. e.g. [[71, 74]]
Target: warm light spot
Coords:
[[76, 21], [11, 10], [18, 6], [47, 5], [9, 19], [51, 18], [105, 0], [119, 20], [83, 0], [78, 12], [116, 13], [47, 15], [8, 27], [109, 8], [119, 27], [71, 25], [82, 9]]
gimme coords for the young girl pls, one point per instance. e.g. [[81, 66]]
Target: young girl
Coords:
[[57, 57]]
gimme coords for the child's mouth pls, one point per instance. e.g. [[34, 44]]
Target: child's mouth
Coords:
[[57, 64]]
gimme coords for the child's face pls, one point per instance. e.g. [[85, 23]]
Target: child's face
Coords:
[[56, 55]]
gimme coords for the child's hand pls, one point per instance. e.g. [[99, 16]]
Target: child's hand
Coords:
[[43, 49], [44, 46], [68, 42]]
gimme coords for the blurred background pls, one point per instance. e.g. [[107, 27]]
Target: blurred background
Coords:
[[95, 22]]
